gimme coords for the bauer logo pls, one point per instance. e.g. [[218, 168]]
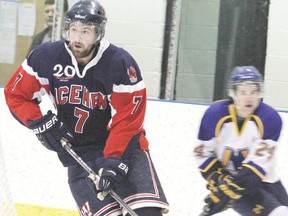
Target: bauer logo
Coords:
[[46, 126], [132, 74], [123, 167], [78, 16]]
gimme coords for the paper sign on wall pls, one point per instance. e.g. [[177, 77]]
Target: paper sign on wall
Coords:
[[26, 19], [8, 23]]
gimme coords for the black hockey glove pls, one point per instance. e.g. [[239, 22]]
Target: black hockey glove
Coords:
[[112, 173], [249, 179], [223, 196], [215, 177], [49, 130]]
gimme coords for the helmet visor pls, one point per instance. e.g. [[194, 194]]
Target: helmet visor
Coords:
[[248, 90], [77, 30]]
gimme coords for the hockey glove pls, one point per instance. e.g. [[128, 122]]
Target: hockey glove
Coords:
[[49, 130], [215, 177], [94, 184], [223, 196], [112, 173]]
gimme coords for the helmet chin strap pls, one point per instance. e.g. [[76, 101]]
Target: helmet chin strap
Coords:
[[97, 40]]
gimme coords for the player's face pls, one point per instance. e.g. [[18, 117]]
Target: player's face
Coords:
[[48, 14], [247, 97], [82, 39]]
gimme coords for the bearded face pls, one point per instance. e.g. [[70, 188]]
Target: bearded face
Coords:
[[82, 39]]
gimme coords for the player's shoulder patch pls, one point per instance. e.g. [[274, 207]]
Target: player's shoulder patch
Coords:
[[132, 74]]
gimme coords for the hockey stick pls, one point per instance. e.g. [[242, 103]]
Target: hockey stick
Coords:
[[207, 207], [112, 193], [57, 20], [205, 211]]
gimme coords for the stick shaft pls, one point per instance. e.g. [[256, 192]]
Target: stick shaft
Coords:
[[112, 193]]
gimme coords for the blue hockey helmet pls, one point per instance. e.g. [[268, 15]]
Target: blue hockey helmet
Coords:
[[244, 74], [88, 12]]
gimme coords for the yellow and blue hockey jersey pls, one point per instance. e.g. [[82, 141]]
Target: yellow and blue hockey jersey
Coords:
[[250, 143]]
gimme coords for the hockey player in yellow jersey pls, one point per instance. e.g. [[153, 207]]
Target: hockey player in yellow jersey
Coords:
[[235, 150]]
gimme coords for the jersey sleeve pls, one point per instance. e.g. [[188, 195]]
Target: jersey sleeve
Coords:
[[205, 150], [261, 158], [128, 107], [23, 93]]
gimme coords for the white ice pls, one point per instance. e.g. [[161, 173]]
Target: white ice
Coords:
[[36, 176]]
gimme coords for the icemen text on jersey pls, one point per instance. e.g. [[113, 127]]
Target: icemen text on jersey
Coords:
[[84, 96]]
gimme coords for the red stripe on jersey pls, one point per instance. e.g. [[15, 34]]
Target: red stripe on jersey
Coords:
[[19, 96], [129, 109]]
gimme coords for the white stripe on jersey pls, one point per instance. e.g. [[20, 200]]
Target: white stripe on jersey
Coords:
[[129, 88], [29, 70], [104, 44]]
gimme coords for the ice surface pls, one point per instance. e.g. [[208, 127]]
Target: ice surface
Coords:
[[36, 176]]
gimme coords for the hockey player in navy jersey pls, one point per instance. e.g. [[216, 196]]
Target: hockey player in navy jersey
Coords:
[[100, 97], [236, 147]]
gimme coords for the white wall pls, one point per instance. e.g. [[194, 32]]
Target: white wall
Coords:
[[197, 50], [36, 176], [138, 26], [276, 77]]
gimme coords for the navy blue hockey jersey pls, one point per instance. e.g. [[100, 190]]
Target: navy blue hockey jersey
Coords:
[[103, 104]]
